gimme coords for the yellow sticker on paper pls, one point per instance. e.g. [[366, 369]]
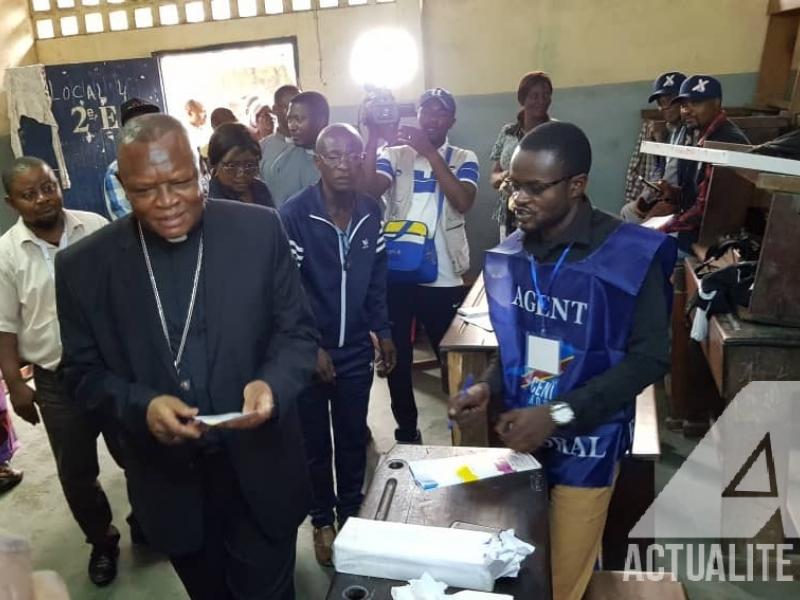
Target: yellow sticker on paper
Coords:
[[466, 474]]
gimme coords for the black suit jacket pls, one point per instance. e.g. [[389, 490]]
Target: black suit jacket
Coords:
[[259, 326]]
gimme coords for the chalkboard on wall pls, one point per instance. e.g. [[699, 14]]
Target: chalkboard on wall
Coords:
[[86, 99]]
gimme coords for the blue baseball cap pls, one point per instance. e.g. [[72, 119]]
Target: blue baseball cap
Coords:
[[700, 87], [667, 84], [442, 96]]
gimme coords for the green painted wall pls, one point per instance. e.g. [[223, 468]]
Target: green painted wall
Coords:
[[609, 114]]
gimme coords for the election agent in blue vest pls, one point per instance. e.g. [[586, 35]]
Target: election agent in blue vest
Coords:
[[580, 307], [335, 236]]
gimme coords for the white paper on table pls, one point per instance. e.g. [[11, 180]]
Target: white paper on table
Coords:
[[434, 473], [458, 557], [427, 588], [482, 321], [214, 420], [473, 311]]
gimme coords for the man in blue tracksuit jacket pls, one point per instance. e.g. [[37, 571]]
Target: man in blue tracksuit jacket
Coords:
[[336, 237]]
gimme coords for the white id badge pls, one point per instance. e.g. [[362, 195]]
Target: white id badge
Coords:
[[543, 354]]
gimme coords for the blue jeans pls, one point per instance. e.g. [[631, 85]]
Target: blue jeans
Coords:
[[344, 403]]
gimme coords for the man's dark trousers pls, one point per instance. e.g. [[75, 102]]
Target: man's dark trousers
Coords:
[[435, 308], [73, 433], [237, 561], [344, 403]]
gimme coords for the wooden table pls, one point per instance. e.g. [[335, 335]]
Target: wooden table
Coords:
[[517, 501], [468, 350], [739, 351]]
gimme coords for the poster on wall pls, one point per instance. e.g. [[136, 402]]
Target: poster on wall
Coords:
[[85, 103], [86, 99]]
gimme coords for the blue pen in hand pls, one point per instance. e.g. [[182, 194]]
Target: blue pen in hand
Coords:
[[468, 383]]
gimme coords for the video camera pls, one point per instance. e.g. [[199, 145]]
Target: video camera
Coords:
[[380, 107]]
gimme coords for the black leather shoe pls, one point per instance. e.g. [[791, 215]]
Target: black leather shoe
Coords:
[[103, 562]]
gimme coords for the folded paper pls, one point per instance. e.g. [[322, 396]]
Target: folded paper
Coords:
[[458, 557]]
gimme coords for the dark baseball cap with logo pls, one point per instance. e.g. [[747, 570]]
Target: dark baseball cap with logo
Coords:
[[134, 108], [667, 84], [699, 87], [440, 95]]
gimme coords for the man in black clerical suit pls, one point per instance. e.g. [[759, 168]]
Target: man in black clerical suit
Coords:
[[187, 308]]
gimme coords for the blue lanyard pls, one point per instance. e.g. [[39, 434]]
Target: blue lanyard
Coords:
[[543, 300]]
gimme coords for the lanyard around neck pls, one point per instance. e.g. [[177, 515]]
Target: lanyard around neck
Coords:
[[543, 299], [161, 315]]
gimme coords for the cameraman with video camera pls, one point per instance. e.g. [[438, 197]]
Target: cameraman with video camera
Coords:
[[428, 186]]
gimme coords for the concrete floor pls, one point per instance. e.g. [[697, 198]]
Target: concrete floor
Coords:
[[36, 508]]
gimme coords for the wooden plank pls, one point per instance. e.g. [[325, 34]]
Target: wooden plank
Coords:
[[776, 58], [714, 350], [614, 585], [777, 7], [727, 146], [778, 183], [729, 198], [680, 381], [728, 158], [462, 336], [776, 291], [459, 365], [646, 442], [733, 112], [761, 121]]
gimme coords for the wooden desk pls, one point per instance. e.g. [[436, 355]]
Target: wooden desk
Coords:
[[739, 351], [468, 349], [517, 501]]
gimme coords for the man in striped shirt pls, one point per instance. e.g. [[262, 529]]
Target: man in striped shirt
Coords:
[[424, 178]]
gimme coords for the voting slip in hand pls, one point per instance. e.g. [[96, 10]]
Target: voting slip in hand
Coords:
[[214, 420]]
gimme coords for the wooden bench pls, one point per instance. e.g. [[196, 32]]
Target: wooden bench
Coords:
[[467, 350], [612, 585]]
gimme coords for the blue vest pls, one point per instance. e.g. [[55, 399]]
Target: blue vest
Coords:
[[589, 310]]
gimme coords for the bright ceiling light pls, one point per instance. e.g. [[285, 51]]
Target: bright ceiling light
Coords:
[[384, 57]]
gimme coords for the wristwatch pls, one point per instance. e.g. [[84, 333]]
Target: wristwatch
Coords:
[[561, 413]]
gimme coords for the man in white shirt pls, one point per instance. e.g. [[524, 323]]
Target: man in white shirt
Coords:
[[413, 177], [29, 333]]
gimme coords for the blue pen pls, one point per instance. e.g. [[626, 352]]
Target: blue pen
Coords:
[[468, 383]]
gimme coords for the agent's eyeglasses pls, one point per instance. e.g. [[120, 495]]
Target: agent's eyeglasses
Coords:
[[47, 189], [234, 168], [534, 188], [334, 160]]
